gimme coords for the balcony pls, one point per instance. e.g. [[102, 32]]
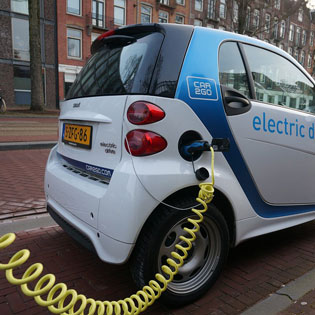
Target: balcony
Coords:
[[98, 22]]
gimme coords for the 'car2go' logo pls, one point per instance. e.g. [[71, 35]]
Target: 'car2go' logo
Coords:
[[202, 88]]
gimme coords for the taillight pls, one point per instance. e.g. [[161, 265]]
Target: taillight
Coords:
[[142, 113], [142, 142]]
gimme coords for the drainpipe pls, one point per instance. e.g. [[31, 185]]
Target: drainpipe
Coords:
[[56, 58]]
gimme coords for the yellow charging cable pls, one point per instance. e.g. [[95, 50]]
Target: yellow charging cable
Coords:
[[134, 304]]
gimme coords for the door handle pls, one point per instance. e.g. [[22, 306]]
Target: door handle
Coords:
[[235, 103]]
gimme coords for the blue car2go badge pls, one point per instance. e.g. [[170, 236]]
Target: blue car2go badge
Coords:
[[202, 88]]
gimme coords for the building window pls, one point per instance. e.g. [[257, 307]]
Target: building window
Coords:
[[298, 36], [302, 58], [296, 54], [275, 28], [198, 5], [235, 12], [165, 2], [304, 37], [222, 11], [281, 46], [98, 13], [197, 22], [22, 85], [290, 51], [94, 36], [211, 9], [74, 39], [291, 33], [282, 29], [300, 15], [74, 7], [256, 18], [179, 19], [119, 12], [311, 38], [277, 4], [19, 6], [181, 2], [146, 14], [267, 23], [163, 17], [21, 48], [247, 22], [309, 60], [210, 25]]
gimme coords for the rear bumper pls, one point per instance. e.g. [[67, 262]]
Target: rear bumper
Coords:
[[105, 218], [108, 249]]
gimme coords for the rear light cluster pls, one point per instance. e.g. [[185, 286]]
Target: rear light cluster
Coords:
[[140, 142]]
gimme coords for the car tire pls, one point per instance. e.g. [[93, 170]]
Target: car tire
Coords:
[[204, 262]]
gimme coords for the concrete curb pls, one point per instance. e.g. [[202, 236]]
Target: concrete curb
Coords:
[[28, 223], [284, 297], [6, 146]]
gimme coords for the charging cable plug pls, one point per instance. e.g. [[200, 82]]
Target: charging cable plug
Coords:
[[196, 146]]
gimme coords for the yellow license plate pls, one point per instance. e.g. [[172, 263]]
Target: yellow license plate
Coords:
[[77, 135]]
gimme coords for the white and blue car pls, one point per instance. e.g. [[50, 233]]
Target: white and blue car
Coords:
[[121, 180]]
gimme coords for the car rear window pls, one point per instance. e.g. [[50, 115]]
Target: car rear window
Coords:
[[119, 69]]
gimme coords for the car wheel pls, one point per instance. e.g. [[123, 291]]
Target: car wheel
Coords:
[[204, 262]]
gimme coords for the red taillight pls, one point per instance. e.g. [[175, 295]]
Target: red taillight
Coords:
[[142, 113], [142, 142], [106, 34]]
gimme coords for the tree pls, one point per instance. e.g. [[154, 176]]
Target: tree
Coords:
[[37, 91], [243, 20]]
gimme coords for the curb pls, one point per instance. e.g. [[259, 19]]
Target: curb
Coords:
[[27, 223], [6, 146], [284, 297]]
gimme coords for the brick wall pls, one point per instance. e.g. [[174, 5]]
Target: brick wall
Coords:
[[5, 37], [50, 88], [7, 85]]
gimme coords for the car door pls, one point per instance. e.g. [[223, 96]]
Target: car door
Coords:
[[275, 130]]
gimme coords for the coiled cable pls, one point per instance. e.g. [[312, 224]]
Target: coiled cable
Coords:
[[79, 304]]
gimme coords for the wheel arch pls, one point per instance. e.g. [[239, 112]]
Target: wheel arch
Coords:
[[220, 201]]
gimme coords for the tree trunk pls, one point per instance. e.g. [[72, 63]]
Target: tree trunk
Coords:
[[37, 91]]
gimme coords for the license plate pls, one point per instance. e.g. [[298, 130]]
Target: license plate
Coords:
[[77, 135]]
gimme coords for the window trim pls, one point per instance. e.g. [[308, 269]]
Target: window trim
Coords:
[[81, 50], [96, 25], [151, 11], [124, 8], [80, 5], [199, 10], [179, 3], [168, 16], [180, 15]]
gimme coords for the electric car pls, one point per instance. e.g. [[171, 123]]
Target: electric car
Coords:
[[133, 137]]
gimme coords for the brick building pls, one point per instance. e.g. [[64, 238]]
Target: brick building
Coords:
[[81, 21], [14, 52]]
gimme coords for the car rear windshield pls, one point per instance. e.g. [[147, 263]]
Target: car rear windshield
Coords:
[[119, 68]]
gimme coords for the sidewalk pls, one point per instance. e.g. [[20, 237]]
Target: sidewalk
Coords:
[[24, 129]]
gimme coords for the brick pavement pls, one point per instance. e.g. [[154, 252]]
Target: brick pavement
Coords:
[[22, 182], [254, 270]]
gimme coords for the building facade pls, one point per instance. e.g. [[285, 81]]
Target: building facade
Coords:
[[15, 80], [287, 24]]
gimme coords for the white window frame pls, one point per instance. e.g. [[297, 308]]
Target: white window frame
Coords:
[[180, 2], [309, 61], [298, 36], [247, 22], [267, 22], [290, 51], [303, 37], [96, 24], [211, 9], [278, 4], [282, 29], [222, 9], [80, 5], [201, 5], [291, 33], [162, 11], [124, 9], [235, 12], [149, 7], [199, 22], [165, 2], [256, 18], [311, 38], [300, 15], [302, 58], [180, 16], [77, 38]]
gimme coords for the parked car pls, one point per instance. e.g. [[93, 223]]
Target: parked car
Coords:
[[120, 180]]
